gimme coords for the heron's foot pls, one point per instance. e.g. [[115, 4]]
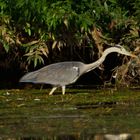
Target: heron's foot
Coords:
[[52, 91], [50, 94], [63, 90]]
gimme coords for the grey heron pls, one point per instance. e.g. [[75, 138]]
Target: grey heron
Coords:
[[65, 73]]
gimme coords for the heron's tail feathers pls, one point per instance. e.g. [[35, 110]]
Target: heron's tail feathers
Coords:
[[29, 77]]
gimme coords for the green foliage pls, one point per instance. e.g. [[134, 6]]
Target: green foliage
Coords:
[[6, 36], [34, 52], [65, 23], [137, 10]]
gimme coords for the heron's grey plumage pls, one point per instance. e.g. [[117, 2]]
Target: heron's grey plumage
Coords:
[[48, 74], [64, 73]]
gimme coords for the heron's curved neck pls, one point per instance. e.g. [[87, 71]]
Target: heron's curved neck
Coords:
[[97, 63]]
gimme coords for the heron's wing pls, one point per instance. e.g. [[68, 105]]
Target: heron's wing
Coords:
[[58, 74], [29, 77]]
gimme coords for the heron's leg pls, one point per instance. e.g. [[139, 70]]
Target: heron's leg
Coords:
[[53, 89], [63, 90]]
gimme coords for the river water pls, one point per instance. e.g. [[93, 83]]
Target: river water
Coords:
[[78, 115]]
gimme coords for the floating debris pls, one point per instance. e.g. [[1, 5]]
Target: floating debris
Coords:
[[20, 99], [37, 99], [7, 93]]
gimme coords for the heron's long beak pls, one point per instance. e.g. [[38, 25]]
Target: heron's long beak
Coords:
[[130, 54], [133, 55]]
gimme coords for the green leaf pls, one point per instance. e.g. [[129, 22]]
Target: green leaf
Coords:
[[6, 47], [106, 6], [113, 1], [35, 62]]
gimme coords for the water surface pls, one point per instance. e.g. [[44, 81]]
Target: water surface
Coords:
[[81, 114]]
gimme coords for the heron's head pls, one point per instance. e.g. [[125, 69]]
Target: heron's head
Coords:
[[124, 51], [121, 50]]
